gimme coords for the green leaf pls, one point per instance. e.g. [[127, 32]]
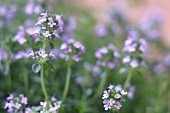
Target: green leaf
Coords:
[[50, 65], [51, 45], [38, 43], [36, 67], [10, 41], [123, 70]]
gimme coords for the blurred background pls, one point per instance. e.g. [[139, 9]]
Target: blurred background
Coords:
[[135, 10], [96, 24]]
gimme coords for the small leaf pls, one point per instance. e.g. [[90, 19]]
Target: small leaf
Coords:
[[51, 66], [36, 67], [123, 70], [38, 43], [51, 45], [10, 41]]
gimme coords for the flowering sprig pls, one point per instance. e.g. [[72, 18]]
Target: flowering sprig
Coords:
[[72, 50], [49, 26], [42, 56], [113, 97], [15, 104], [134, 48], [106, 56], [43, 107]]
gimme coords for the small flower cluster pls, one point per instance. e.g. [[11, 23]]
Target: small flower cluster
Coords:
[[94, 69], [49, 26], [69, 28], [15, 104], [113, 97], [20, 36], [151, 24], [7, 13], [100, 30], [72, 49], [44, 108], [134, 49], [3, 54], [41, 55], [106, 56], [32, 8]]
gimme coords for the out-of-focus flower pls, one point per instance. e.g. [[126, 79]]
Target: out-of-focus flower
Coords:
[[151, 24], [72, 49], [107, 56], [31, 7], [100, 30], [113, 97], [15, 104], [43, 108], [134, 49], [20, 36], [3, 54]]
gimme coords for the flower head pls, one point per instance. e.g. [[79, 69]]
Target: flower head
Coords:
[[113, 97], [50, 26]]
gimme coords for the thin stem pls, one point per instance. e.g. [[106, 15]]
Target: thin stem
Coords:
[[67, 82], [100, 88], [43, 85], [26, 83], [42, 78], [128, 79], [9, 80], [44, 45]]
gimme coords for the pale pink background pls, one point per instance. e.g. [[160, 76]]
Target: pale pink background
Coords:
[[99, 9]]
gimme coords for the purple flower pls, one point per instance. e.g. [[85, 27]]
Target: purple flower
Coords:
[[41, 55], [111, 86], [50, 26], [79, 80], [113, 96], [3, 54], [73, 50], [107, 56], [134, 63], [151, 24], [15, 103], [20, 36], [100, 31]]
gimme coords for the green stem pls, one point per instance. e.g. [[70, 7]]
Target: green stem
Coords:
[[42, 78], [129, 76], [67, 82], [26, 83], [43, 85], [9, 80], [99, 89]]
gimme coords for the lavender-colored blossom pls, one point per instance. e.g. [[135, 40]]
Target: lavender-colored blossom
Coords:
[[72, 49], [100, 31], [134, 63], [20, 36], [130, 94], [53, 107], [3, 54], [19, 55], [151, 24], [50, 26], [107, 56], [79, 80], [31, 8], [41, 55], [15, 104], [113, 97], [134, 49]]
